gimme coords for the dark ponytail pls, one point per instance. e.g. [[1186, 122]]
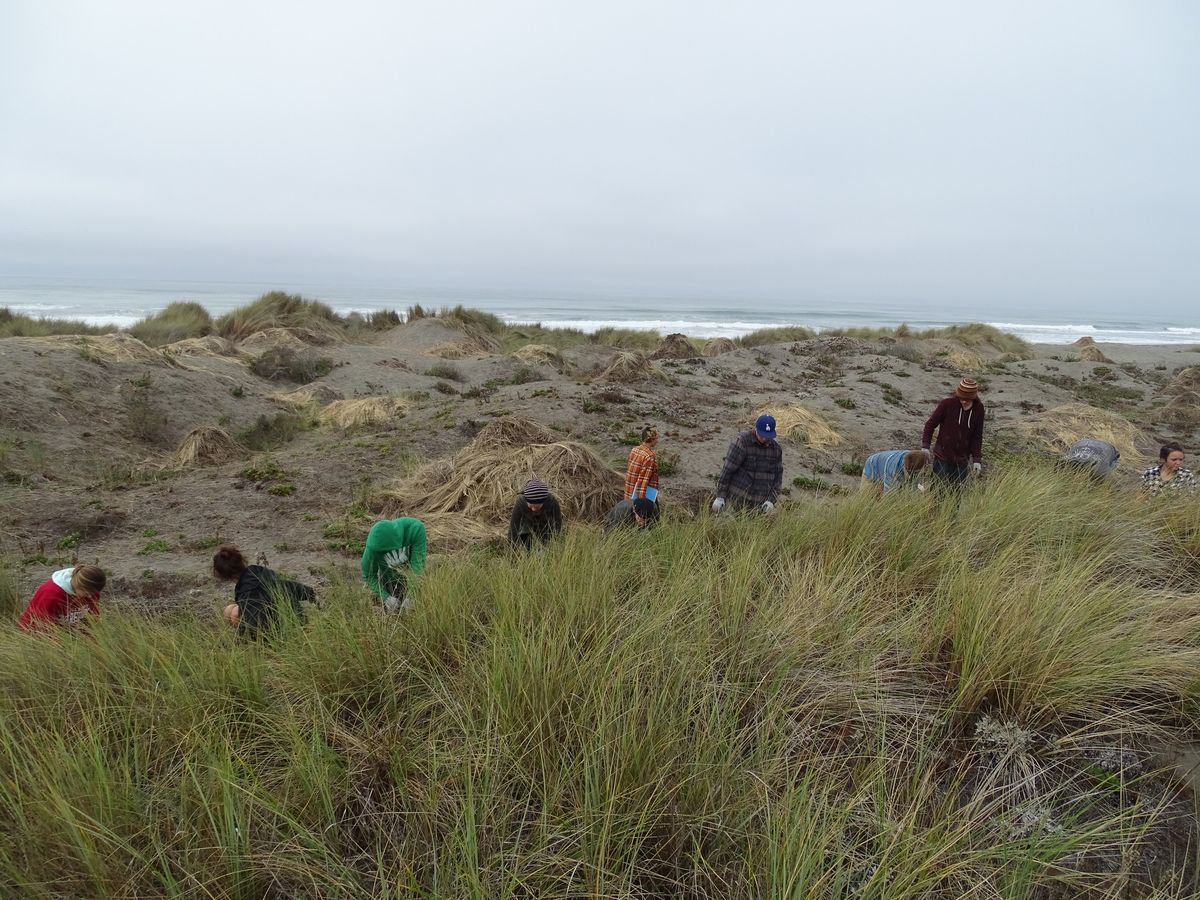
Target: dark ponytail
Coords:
[[228, 563]]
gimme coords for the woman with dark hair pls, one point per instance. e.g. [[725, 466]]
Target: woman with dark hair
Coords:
[[1169, 476], [257, 593], [66, 599]]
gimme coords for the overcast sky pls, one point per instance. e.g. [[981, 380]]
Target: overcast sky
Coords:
[[1047, 151]]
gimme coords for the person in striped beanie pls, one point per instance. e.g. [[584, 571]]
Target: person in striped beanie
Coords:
[[536, 516], [958, 421]]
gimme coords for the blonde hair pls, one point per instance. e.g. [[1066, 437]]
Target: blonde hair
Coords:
[[649, 433], [87, 580], [914, 461]]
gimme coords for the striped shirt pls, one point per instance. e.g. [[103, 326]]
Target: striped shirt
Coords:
[[1152, 481], [642, 472], [886, 467]]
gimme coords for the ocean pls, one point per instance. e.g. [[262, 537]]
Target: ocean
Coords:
[[123, 302]]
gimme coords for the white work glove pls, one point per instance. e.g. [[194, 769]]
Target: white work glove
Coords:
[[928, 454], [977, 468], [768, 507], [921, 487], [396, 559], [392, 604], [718, 504], [407, 604]]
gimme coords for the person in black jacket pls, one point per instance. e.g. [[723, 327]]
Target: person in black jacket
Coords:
[[536, 516], [258, 592]]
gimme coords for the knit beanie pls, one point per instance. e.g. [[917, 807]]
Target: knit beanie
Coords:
[[968, 389], [535, 491]]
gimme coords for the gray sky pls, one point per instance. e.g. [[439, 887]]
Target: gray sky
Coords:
[[1046, 151]]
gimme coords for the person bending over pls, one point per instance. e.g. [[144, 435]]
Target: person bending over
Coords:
[[753, 472], [66, 599], [639, 513], [641, 474], [258, 593], [394, 555], [885, 470], [536, 516], [1098, 458]]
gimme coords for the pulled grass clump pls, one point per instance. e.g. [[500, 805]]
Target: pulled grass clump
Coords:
[[802, 424], [885, 699], [485, 477], [364, 412], [206, 446], [175, 322], [1058, 428], [630, 367]]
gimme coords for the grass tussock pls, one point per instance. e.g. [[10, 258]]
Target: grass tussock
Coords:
[[175, 322], [630, 367], [717, 346], [1058, 428], [278, 309], [20, 325], [802, 424], [885, 700], [778, 335]]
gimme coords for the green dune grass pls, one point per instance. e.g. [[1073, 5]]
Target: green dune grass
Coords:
[[919, 697]]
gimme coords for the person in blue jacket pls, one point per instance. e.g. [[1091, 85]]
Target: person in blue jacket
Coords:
[[884, 470]]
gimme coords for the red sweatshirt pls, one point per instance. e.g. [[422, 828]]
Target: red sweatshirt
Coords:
[[960, 431], [52, 605]]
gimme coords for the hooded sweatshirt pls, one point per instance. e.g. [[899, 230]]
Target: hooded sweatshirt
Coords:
[[960, 432], [403, 536], [54, 604], [258, 593]]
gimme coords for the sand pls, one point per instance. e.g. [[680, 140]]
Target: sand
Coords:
[[85, 442]]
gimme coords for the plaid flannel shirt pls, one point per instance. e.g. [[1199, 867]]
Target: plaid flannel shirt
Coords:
[[753, 472], [1184, 480], [642, 472]]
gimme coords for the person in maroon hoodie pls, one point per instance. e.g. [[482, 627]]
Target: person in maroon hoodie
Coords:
[[958, 421], [66, 599]]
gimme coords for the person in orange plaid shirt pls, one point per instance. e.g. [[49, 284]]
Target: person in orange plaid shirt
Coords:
[[641, 478]]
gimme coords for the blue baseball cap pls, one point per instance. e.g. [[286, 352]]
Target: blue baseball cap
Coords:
[[764, 427]]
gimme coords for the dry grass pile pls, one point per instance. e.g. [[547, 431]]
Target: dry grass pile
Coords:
[[485, 477], [1092, 353], [206, 446], [1058, 428], [630, 367], [117, 348], [804, 425], [717, 346], [1182, 410], [1186, 382], [539, 354], [675, 346], [473, 343], [283, 338], [968, 362], [451, 532], [364, 412], [1084, 341], [210, 345], [309, 395]]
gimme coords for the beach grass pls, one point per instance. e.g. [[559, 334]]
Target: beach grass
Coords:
[[948, 696], [20, 325], [176, 322]]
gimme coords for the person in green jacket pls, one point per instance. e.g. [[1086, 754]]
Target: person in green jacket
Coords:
[[395, 553]]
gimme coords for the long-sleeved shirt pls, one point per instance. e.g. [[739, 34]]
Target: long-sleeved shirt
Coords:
[[886, 467], [960, 431], [405, 540], [54, 604], [753, 472], [541, 525], [258, 593], [642, 472], [1152, 481]]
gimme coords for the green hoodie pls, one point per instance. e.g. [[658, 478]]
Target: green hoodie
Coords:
[[386, 536]]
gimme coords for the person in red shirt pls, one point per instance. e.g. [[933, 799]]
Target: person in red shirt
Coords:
[[66, 599], [958, 421]]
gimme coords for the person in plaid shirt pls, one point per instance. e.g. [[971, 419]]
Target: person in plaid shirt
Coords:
[[753, 471], [1169, 476], [641, 477]]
